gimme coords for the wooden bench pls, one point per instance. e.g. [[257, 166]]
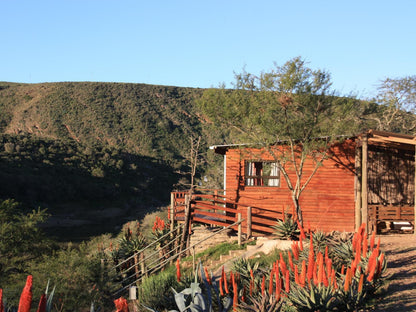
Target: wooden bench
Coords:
[[389, 213]]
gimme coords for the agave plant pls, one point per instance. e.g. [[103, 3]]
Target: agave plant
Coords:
[[265, 303], [286, 228], [313, 298]]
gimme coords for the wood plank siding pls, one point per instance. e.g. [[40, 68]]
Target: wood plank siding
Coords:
[[328, 202]]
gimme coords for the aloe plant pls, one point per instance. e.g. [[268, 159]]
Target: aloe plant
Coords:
[[286, 229]]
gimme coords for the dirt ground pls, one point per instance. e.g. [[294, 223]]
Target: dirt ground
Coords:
[[400, 250]]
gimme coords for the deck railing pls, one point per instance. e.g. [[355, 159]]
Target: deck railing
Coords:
[[212, 207]]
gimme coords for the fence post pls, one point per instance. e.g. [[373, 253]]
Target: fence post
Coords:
[[248, 222], [239, 229], [172, 211]]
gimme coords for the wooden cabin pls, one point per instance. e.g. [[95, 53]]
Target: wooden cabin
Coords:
[[366, 178]]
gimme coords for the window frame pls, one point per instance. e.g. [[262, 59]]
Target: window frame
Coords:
[[258, 179]]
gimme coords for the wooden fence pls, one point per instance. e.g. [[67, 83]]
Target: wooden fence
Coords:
[[211, 207]]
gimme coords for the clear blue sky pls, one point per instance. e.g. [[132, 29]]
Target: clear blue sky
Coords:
[[199, 43]]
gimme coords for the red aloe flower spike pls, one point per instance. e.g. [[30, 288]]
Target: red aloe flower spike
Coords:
[[251, 274], [278, 287], [347, 280], [26, 296], [303, 274], [372, 239], [378, 244], [362, 229], [207, 276], [221, 289], [271, 282], [226, 284], [263, 285], [289, 256], [251, 287], [296, 273], [329, 267], [1, 300], [295, 250], [342, 269], [121, 305], [235, 292], [365, 246], [320, 265], [360, 283], [333, 279], [42, 304], [178, 271], [302, 231], [325, 278], [287, 282]]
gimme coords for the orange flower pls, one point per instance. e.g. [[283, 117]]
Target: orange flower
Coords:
[[302, 231], [287, 282], [283, 267], [1, 300], [271, 282], [278, 286], [347, 281], [296, 275], [42, 304], [221, 289], [235, 291], [121, 305], [178, 270], [26, 296], [225, 281], [207, 276], [263, 285], [289, 255], [303, 274], [360, 283], [295, 250]]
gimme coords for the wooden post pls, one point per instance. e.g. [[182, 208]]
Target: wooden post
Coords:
[[142, 265], [248, 222], [239, 229], [172, 212], [414, 204], [357, 185], [364, 182]]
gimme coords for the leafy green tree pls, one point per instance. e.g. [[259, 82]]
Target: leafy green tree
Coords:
[[397, 98], [291, 104], [21, 239]]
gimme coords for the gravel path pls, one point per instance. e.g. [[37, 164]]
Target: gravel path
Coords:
[[400, 251]]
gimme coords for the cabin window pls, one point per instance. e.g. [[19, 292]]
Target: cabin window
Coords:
[[260, 173]]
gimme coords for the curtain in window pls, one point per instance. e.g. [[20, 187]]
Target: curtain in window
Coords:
[[275, 174], [249, 172]]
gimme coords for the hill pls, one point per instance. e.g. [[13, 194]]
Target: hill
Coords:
[[83, 150]]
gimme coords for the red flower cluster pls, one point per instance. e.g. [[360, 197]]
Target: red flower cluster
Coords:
[[121, 305], [158, 225]]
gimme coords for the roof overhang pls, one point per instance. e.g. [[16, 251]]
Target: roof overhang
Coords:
[[375, 137]]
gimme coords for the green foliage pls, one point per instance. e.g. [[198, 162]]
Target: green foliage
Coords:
[[286, 229], [155, 291], [313, 298], [21, 239]]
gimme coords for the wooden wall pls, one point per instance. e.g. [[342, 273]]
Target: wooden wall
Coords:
[[328, 202], [391, 176]]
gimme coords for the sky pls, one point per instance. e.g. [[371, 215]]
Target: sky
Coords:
[[203, 44]]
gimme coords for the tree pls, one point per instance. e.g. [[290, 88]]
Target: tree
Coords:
[[291, 105], [397, 100], [21, 238]]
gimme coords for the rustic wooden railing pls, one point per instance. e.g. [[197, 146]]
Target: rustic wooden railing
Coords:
[[389, 213], [212, 207]]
